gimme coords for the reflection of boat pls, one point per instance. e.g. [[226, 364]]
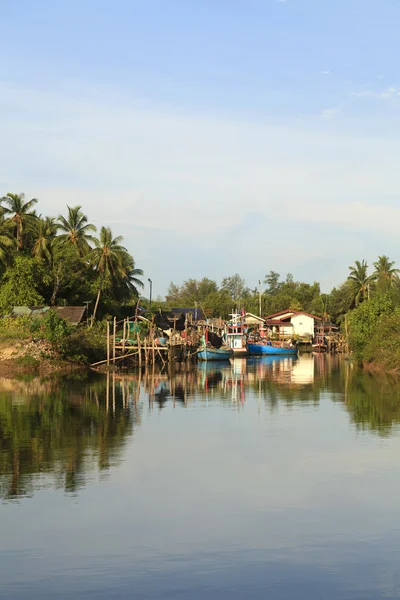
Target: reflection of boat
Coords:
[[207, 353], [235, 336], [260, 349]]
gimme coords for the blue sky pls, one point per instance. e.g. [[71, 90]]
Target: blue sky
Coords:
[[217, 136]]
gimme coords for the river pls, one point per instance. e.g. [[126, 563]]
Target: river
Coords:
[[271, 478]]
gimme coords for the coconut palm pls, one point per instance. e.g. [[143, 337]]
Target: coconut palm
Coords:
[[7, 240], [75, 228], [113, 261], [127, 286], [43, 233], [21, 214], [359, 281], [385, 272]]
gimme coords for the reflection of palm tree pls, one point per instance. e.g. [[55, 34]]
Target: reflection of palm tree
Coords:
[[359, 281], [56, 430]]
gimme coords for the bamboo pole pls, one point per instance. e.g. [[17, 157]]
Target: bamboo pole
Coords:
[[123, 336], [140, 350], [114, 336], [108, 343], [108, 391]]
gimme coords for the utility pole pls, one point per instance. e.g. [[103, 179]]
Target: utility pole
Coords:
[[259, 298]]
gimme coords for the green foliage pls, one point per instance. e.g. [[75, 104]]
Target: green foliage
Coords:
[[28, 362], [50, 327], [84, 346], [363, 322], [20, 284], [15, 327], [383, 346], [48, 261]]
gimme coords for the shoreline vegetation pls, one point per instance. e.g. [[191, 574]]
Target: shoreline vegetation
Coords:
[[49, 261]]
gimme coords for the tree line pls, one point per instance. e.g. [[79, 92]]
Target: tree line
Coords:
[[274, 293], [48, 260]]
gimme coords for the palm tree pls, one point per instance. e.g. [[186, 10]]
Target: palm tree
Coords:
[[43, 232], [22, 214], [76, 229], [112, 260], [7, 240], [359, 281], [127, 286], [385, 272]]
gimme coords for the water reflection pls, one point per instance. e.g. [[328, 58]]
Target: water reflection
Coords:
[[263, 478], [59, 432], [62, 428]]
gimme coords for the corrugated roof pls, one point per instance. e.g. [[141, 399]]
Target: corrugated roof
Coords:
[[72, 314]]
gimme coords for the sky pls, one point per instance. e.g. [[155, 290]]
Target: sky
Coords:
[[216, 136]]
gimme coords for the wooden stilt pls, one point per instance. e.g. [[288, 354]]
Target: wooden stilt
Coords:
[[124, 337], [114, 336], [108, 343]]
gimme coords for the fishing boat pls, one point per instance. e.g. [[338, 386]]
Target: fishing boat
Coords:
[[210, 353], [213, 348], [236, 337], [263, 349], [319, 344]]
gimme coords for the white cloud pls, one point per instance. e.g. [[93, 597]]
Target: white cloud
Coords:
[[175, 185]]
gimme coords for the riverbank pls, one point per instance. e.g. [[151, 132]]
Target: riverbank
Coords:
[[34, 357]]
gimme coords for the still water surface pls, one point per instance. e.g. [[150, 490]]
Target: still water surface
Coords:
[[271, 478]]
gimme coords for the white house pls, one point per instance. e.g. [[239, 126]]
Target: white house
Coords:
[[292, 322]]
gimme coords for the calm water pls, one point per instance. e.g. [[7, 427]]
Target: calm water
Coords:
[[273, 479]]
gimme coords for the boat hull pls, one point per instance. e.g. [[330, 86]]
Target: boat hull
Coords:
[[318, 348], [239, 352], [214, 353], [264, 350]]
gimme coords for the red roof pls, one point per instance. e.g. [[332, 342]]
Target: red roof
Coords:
[[278, 323], [292, 312]]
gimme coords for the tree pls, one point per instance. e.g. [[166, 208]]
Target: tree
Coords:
[[76, 229], [7, 240], [20, 284], [21, 214], [364, 320], [43, 233], [385, 272], [272, 281], [236, 287], [359, 281], [111, 260], [71, 277]]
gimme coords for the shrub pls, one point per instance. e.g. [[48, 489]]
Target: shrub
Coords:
[[363, 321]]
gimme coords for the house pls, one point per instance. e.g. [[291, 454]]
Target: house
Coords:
[[251, 319], [292, 322]]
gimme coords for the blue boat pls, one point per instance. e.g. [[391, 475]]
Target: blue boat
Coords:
[[269, 349], [206, 353]]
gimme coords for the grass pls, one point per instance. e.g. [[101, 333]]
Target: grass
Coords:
[[28, 362]]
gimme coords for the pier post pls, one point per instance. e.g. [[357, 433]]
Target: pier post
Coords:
[[108, 343], [114, 336]]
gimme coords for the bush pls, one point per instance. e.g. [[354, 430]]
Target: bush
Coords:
[[383, 347], [363, 322], [28, 361]]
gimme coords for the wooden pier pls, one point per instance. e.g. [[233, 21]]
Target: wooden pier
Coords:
[[126, 341]]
